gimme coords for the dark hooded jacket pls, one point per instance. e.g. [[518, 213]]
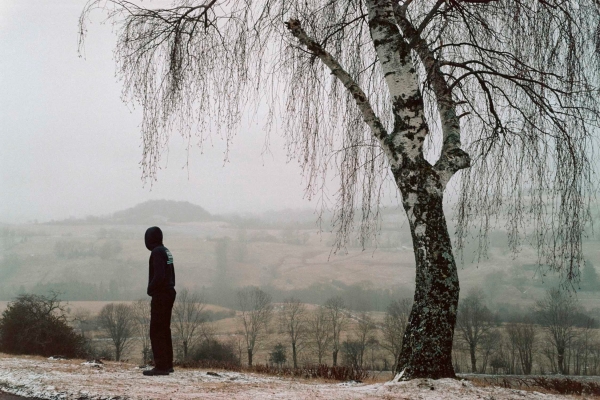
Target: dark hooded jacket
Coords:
[[161, 277]]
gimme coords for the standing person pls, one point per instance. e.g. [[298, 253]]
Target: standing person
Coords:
[[161, 287]]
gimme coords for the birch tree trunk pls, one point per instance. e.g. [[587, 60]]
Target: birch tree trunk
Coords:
[[427, 345]]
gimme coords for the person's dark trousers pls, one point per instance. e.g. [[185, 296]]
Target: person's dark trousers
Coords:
[[160, 329]]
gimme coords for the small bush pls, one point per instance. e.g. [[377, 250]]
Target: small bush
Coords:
[[351, 353], [37, 325], [278, 356], [210, 364], [213, 350]]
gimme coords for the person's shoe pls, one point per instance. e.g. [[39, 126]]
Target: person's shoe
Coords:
[[154, 372], [171, 370]]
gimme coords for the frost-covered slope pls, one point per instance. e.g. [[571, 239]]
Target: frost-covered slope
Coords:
[[71, 379]]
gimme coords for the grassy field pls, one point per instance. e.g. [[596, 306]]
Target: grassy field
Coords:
[[281, 258]]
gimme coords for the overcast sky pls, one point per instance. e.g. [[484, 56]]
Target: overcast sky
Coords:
[[70, 147]]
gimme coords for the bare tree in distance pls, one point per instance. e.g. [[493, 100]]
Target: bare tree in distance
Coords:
[[292, 319], [118, 321], [489, 345], [582, 345], [336, 313], [141, 314], [364, 333], [474, 322], [319, 332], [522, 335], [557, 312], [401, 92], [256, 311], [394, 326], [189, 319], [83, 319]]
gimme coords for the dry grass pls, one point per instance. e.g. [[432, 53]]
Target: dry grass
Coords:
[[542, 384]]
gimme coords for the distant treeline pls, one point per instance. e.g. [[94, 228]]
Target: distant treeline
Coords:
[[357, 297]]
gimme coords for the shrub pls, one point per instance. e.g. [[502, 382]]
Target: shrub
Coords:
[[351, 353], [556, 385], [213, 350], [278, 356], [37, 325]]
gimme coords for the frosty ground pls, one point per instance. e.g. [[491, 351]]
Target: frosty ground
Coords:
[[73, 379]]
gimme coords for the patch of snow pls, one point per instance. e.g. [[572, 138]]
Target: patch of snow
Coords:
[[399, 376], [93, 363]]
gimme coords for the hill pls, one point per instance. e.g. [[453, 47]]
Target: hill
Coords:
[[161, 211], [150, 212]]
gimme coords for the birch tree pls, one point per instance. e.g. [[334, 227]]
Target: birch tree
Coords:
[[401, 92]]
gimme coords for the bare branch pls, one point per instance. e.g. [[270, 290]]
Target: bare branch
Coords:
[[338, 71]]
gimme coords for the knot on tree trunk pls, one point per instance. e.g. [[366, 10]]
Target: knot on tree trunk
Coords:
[[457, 159], [450, 162], [293, 24]]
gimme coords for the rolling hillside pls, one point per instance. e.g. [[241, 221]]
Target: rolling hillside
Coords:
[[105, 258]]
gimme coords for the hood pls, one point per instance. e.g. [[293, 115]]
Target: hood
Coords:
[[153, 238]]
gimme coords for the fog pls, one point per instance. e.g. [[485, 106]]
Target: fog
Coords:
[[69, 147]]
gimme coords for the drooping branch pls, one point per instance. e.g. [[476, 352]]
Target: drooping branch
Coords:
[[362, 101]]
